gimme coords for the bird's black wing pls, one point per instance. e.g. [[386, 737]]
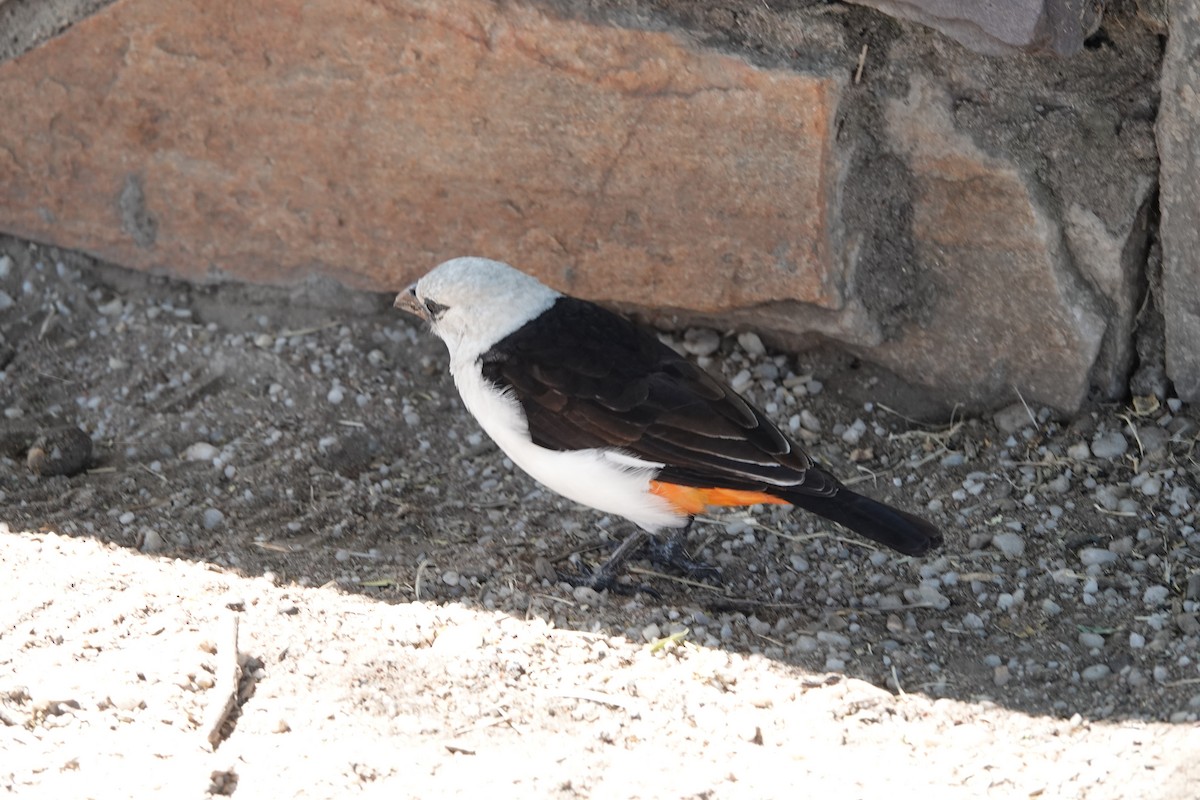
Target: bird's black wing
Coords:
[[588, 378]]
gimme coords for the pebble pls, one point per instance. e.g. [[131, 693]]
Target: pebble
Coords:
[[1151, 487], [741, 381], [336, 395], [1001, 675], [1079, 451], [200, 451], [833, 639], [1051, 608], [1155, 596], [1011, 544], [1193, 586], [809, 421], [1136, 641], [701, 341], [752, 344], [450, 578], [1013, 418], [6, 301], [1096, 672], [586, 595], [212, 518], [1092, 641], [1097, 556], [152, 541], [1109, 445]]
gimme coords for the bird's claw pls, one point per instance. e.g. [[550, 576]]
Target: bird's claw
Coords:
[[671, 553]]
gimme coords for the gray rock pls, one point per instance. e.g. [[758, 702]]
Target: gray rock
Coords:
[[1009, 543], [1109, 445], [1057, 26], [1096, 672], [1178, 133], [1012, 418], [1091, 556]]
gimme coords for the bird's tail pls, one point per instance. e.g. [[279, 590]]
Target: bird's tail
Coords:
[[878, 522]]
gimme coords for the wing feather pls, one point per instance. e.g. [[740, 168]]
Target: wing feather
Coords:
[[588, 378]]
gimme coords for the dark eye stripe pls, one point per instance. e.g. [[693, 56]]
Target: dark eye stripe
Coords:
[[435, 308]]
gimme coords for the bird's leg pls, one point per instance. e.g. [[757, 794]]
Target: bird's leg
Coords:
[[605, 578], [673, 553]]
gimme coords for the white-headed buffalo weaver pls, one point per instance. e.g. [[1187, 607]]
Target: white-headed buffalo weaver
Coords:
[[599, 410]]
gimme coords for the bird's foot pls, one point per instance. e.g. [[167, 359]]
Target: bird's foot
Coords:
[[604, 579], [672, 553]]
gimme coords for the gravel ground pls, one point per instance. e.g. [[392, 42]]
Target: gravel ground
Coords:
[[175, 458]]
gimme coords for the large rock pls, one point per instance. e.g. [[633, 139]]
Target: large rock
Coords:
[[1003, 28], [369, 140], [1006, 312], [1179, 148]]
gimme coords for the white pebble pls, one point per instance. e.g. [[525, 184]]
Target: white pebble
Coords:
[[741, 381], [751, 343], [336, 395], [126, 518], [1136, 641], [200, 451], [1079, 451], [1151, 487]]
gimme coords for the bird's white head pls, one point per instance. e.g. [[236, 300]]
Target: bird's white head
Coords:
[[472, 303]]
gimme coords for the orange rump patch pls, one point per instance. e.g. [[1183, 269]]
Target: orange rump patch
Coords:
[[694, 499]]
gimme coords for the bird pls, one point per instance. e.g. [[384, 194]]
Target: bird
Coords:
[[596, 408]]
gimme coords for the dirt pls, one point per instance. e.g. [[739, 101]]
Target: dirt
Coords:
[[297, 463]]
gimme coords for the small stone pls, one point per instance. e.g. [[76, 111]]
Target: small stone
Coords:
[[832, 639], [459, 640], [809, 421], [212, 518], [752, 344], [1155, 596], [1193, 586], [1092, 641], [450, 578], [1079, 451], [651, 632], [1001, 675], [1096, 672], [152, 541], [6, 301], [701, 341], [1013, 418], [1097, 556], [1136, 641], [586, 595], [1151, 487], [200, 451], [1109, 445], [336, 395], [1009, 543], [1051, 608]]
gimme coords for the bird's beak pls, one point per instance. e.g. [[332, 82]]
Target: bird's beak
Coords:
[[407, 301]]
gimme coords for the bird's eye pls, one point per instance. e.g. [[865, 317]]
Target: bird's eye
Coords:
[[434, 308]]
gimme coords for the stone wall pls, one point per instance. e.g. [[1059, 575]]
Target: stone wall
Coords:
[[981, 224]]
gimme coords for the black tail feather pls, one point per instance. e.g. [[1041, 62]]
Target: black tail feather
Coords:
[[881, 523]]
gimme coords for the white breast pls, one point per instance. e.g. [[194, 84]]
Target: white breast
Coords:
[[606, 480]]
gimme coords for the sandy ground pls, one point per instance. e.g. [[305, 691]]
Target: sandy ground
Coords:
[[291, 468]]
